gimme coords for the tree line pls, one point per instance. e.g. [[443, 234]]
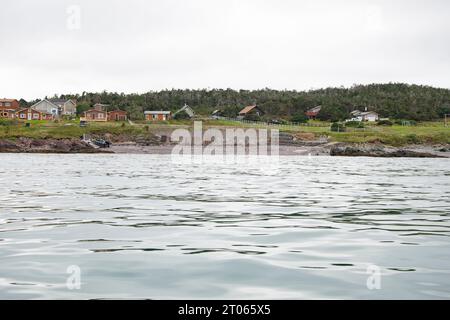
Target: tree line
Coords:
[[392, 100]]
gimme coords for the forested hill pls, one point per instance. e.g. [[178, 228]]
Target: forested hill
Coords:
[[392, 100]]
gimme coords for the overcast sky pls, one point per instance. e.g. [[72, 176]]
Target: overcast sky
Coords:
[[60, 46]]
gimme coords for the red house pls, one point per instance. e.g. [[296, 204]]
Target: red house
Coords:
[[157, 115], [33, 114], [312, 113], [95, 115], [10, 104], [117, 115]]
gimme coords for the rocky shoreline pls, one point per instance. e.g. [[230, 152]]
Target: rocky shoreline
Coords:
[[29, 145], [382, 151], [288, 147]]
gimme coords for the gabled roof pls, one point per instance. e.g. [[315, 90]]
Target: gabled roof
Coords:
[[190, 112], [368, 112], [362, 113], [8, 100], [57, 101], [314, 110], [247, 109], [95, 110], [61, 101], [39, 102]]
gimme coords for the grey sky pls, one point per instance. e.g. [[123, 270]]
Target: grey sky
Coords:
[[137, 45]]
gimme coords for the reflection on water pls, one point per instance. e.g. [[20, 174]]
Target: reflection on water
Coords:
[[140, 226]]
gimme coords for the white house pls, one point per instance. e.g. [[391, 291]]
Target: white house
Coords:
[[56, 107], [66, 107], [188, 110], [46, 106], [370, 116]]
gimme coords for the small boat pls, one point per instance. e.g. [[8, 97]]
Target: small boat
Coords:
[[101, 143]]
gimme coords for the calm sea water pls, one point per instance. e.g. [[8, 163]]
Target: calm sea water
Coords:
[[141, 226]]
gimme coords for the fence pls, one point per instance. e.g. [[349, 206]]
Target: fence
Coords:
[[271, 124]]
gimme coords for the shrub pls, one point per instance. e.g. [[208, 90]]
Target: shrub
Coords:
[[337, 127], [252, 117], [354, 124], [7, 122], [384, 123], [299, 118], [412, 138]]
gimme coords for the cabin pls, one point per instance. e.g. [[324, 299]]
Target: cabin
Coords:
[[185, 111], [251, 111], [65, 107], [313, 113], [157, 115], [8, 108], [94, 115], [369, 116], [217, 114], [7, 113], [47, 107], [9, 104], [33, 114], [117, 115]]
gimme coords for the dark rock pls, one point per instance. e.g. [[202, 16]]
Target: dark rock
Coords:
[[8, 146], [378, 151], [28, 145]]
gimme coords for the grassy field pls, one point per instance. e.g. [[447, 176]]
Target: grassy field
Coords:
[[423, 133]]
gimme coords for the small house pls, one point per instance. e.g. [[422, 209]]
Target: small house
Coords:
[[46, 106], [94, 115], [251, 110], [33, 114], [117, 115], [217, 114], [188, 111], [8, 108], [157, 115], [369, 116], [66, 107], [9, 104], [313, 113]]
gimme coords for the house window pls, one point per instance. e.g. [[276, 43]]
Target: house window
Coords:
[[100, 115], [35, 115], [22, 116], [7, 104], [154, 116]]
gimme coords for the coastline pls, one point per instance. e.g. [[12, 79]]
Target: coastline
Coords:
[[300, 148]]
